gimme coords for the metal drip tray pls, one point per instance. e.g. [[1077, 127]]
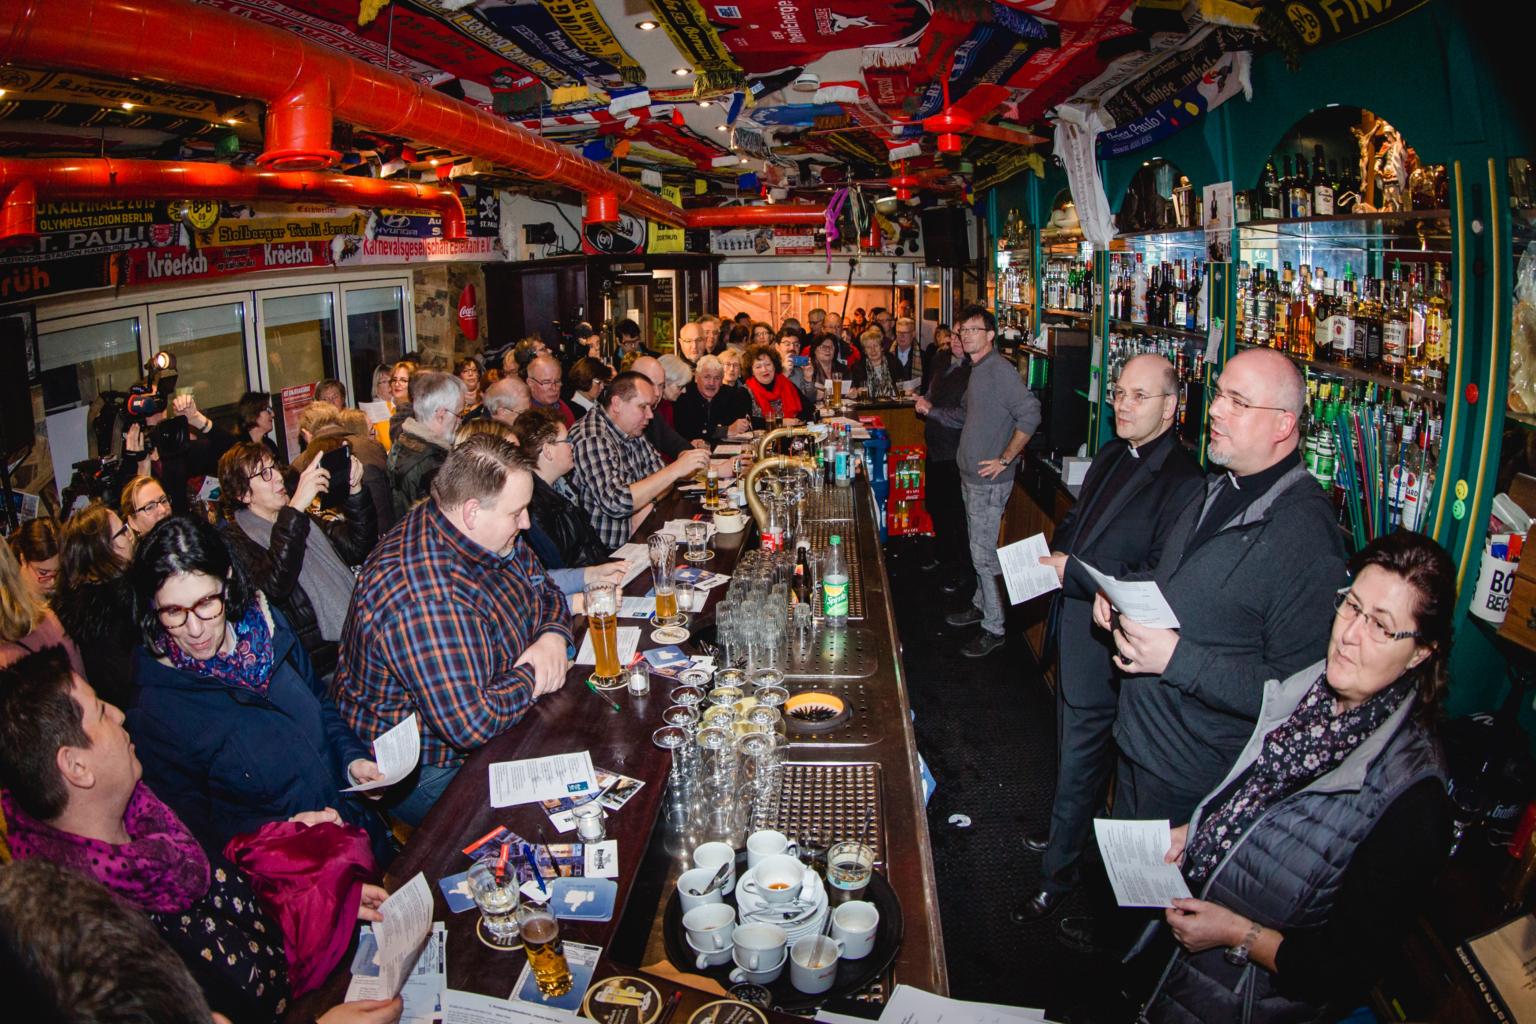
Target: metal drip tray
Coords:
[[818, 532], [850, 653], [830, 802]]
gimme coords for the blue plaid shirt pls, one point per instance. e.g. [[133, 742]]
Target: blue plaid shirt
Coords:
[[436, 623], [607, 462]]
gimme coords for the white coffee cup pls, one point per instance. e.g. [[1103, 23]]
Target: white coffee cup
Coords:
[[854, 924], [698, 878], [709, 957], [770, 973], [711, 856], [767, 843], [776, 879], [757, 946], [813, 963], [709, 926]]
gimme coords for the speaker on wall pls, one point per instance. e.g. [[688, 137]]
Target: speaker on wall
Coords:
[[17, 342], [946, 242]]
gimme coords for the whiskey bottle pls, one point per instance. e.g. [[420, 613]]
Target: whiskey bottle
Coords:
[[1301, 190], [1322, 185], [1367, 315], [1394, 327], [1269, 192]]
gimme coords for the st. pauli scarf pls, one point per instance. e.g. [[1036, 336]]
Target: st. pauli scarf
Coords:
[[161, 869], [1306, 746], [249, 665]]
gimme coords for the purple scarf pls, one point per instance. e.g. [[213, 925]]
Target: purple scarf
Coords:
[[161, 869], [249, 665]]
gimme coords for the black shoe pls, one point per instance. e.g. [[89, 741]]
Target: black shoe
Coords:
[[982, 644], [1081, 934], [1036, 842], [1038, 907], [930, 565], [967, 616], [952, 587]]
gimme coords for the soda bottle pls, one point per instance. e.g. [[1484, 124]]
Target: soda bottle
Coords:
[[834, 585]]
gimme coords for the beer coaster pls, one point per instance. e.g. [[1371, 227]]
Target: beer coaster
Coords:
[[706, 556], [670, 635], [615, 683], [505, 945], [728, 1011], [622, 999]]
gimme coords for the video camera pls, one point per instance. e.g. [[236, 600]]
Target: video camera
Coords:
[[122, 410]]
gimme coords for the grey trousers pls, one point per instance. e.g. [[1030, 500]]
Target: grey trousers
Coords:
[[984, 504]]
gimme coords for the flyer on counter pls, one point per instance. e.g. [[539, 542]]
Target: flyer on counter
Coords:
[[421, 988], [535, 779], [669, 661], [629, 643], [473, 1008], [614, 791]]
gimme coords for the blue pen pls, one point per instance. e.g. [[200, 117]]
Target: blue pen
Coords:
[[538, 873]]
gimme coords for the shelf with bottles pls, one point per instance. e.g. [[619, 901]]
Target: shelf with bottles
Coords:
[[1159, 291], [1186, 353], [1375, 451], [1364, 376]]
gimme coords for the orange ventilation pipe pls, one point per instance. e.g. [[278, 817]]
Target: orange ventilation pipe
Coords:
[[23, 181], [308, 85]]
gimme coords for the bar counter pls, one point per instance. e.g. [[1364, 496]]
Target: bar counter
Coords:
[[574, 719]]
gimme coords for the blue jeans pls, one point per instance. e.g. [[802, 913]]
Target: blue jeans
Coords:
[[431, 780], [984, 504]]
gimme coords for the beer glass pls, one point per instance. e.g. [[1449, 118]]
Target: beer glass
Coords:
[[663, 552], [546, 953], [496, 896], [837, 391], [697, 535], [603, 625]]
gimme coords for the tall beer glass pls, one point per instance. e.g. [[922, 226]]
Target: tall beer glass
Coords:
[[663, 553], [603, 625], [546, 953]]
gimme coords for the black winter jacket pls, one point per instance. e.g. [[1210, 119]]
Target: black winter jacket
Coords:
[[413, 462], [99, 618], [567, 526], [275, 570]]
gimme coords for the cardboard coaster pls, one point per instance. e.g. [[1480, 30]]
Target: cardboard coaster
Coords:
[[623, 999], [670, 635], [728, 1011], [505, 946], [616, 683], [706, 556]]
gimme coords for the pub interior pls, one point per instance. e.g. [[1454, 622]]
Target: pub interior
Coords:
[[665, 512]]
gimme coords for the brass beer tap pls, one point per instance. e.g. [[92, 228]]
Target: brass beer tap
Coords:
[[766, 441], [761, 466]]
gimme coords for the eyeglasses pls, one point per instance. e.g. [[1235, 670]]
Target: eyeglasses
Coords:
[[546, 382], [1118, 395], [208, 609], [1348, 609], [43, 575], [265, 472], [1239, 405], [972, 330], [399, 380], [121, 532], [150, 506]]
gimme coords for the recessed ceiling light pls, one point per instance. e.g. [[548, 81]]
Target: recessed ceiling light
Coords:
[[433, 161], [721, 128], [127, 106], [743, 159], [682, 72], [231, 120], [645, 26], [704, 103]]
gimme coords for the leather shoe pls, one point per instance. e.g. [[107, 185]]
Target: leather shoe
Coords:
[[1081, 934], [1038, 907], [1037, 842], [967, 616], [982, 644], [952, 587], [929, 566]]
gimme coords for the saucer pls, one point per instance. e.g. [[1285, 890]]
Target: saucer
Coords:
[[812, 903]]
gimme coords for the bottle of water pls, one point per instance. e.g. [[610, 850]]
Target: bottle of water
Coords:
[[834, 586]]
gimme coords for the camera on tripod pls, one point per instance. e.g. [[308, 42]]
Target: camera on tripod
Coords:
[[103, 478]]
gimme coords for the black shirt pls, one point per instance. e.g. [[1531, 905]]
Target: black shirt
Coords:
[[1236, 493], [706, 419], [1115, 478]]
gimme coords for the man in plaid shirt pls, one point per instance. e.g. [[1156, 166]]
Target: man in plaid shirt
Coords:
[[618, 473], [454, 619]]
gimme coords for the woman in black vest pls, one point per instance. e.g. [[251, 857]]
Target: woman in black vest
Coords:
[[1309, 857]]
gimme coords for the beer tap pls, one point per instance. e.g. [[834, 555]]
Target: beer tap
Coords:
[[774, 462], [766, 441]]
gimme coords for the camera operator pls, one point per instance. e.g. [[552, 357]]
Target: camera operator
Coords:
[[299, 556], [176, 449]]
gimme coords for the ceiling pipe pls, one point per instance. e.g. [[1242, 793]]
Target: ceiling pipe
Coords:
[[25, 181], [752, 216], [198, 47], [298, 129]]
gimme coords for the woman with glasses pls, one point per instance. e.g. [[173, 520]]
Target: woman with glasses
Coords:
[[555, 516], [232, 725], [144, 503], [255, 416], [1308, 858], [27, 624], [36, 546], [399, 401], [468, 371], [93, 600], [295, 552]]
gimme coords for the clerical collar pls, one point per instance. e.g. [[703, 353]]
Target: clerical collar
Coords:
[[1261, 481], [1151, 445]]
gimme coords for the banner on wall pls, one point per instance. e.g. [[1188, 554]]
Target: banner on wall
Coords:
[[665, 237], [1322, 22], [180, 263], [1229, 77], [274, 230], [768, 241], [68, 230], [27, 281], [354, 250], [625, 238], [768, 35]]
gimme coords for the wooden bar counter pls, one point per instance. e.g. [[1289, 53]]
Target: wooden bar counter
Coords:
[[574, 719]]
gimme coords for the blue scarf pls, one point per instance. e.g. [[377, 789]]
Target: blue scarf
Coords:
[[249, 665]]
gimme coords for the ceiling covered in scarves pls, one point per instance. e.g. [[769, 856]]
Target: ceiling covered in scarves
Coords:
[[792, 97]]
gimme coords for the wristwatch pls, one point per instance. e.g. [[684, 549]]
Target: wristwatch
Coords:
[[1237, 955]]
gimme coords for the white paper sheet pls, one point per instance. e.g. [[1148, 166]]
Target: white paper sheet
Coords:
[[910, 1005], [637, 608], [407, 923], [473, 1008], [1507, 957], [1133, 853], [629, 643], [600, 860], [535, 779], [377, 412], [423, 989], [639, 559], [1139, 601], [396, 753], [1023, 574]]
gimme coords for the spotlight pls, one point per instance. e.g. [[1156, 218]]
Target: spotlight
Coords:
[[682, 72], [646, 26]]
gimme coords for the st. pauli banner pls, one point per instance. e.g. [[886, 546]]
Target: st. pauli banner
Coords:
[[583, 23], [714, 68], [270, 230], [69, 230], [665, 237], [1323, 22], [768, 35], [531, 28], [179, 263], [352, 250], [1229, 77]]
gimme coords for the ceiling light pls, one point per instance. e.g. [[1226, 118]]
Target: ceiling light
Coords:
[[231, 120], [2, 92], [682, 72], [646, 26], [743, 159], [127, 105], [722, 128], [433, 161], [705, 103]]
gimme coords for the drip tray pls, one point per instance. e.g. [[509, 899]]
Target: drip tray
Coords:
[[831, 802], [850, 653]]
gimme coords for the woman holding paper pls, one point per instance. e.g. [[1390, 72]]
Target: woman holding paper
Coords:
[[1306, 857]]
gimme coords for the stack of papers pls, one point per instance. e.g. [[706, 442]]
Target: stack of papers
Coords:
[[396, 753]]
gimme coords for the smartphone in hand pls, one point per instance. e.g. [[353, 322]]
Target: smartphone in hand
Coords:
[[338, 463]]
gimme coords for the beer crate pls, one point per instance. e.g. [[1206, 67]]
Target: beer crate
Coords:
[[1519, 624]]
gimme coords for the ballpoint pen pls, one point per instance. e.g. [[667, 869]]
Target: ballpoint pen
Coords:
[[602, 697]]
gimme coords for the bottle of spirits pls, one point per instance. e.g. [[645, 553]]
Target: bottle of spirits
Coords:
[[1342, 200], [1367, 315], [1322, 185], [1269, 193], [1281, 330], [1241, 320], [1437, 330], [1300, 315], [1301, 190], [1340, 325], [1192, 302], [1180, 300], [1394, 326]]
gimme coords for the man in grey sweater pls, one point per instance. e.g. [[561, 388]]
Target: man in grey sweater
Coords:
[[999, 416], [1251, 572]]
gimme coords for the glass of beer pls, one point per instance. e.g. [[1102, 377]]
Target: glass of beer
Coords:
[[546, 953], [663, 552], [603, 625], [837, 391]]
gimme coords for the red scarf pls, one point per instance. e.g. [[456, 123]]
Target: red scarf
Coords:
[[782, 392]]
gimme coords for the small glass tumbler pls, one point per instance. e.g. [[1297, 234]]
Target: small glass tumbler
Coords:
[[697, 536], [495, 893]]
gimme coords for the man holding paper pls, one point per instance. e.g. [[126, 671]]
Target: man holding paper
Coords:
[[454, 619], [1135, 491], [1250, 571]]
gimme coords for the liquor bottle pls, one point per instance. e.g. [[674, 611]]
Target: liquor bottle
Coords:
[[1367, 315], [1325, 461], [1269, 192], [1342, 200], [1322, 185], [1240, 309], [1192, 304], [1139, 310], [1301, 190], [1299, 315], [1339, 326], [1437, 330], [1394, 327], [1180, 300]]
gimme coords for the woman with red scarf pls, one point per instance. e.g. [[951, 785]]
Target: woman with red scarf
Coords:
[[776, 400]]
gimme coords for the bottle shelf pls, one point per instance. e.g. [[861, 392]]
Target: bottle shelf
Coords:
[[1085, 314], [1135, 325], [1424, 226], [1381, 379], [1525, 419], [1163, 233]]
